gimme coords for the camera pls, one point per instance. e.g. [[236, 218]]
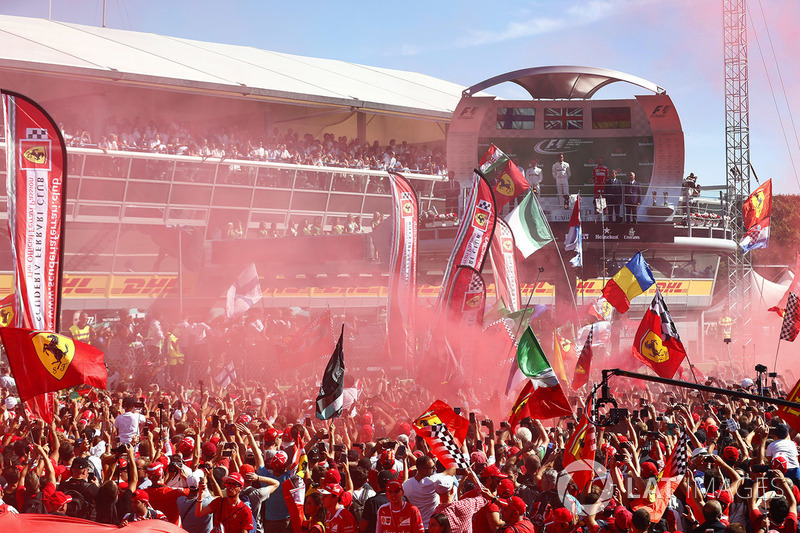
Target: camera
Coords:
[[761, 368]]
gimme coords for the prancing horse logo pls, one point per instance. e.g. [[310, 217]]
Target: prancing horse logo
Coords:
[[55, 352]]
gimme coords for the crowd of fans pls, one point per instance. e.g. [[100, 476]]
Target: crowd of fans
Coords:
[[224, 456], [232, 142]]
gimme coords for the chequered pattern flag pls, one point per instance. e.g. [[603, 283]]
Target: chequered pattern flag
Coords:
[[443, 446], [678, 462], [486, 206], [668, 328], [475, 283], [791, 320], [35, 133]]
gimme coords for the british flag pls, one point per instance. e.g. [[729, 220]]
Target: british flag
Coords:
[[563, 118]]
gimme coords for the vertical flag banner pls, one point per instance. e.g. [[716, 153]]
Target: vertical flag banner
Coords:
[[631, 281], [36, 183], [36, 187], [584, 365], [510, 184], [45, 362], [657, 343], [531, 230], [756, 214], [581, 448], [330, 400], [493, 158], [401, 315], [244, 293], [791, 415], [7, 311], [504, 266], [573, 241], [791, 320]]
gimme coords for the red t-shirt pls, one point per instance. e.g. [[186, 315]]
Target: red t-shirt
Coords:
[[789, 524], [523, 526], [165, 499], [407, 519], [342, 521], [233, 517]]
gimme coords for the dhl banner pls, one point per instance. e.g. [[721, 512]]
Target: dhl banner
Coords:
[[152, 286]]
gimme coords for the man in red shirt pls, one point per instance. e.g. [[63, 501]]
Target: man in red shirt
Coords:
[[599, 177], [398, 516], [339, 519], [514, 517], [163, 498], [229, 512]]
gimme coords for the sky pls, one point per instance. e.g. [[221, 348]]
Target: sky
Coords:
[[677, 44]]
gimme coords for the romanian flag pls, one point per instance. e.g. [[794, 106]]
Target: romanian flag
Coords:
[[631, 281]]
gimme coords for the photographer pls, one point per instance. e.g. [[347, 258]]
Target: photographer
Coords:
[[782, 509]]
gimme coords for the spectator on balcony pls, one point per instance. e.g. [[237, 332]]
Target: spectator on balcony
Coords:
[[336, 227], [292, 230], [377, 218], [350, 226], [230, 231], [316, 228], [305, 228], [263, 230]]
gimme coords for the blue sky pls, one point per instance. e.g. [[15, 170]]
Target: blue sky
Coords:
[[676, 44]]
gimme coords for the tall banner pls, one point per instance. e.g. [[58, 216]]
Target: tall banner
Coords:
[[401, 315], [474, 233], [756, 215], [36, 163], [463, 316], [504, 266]]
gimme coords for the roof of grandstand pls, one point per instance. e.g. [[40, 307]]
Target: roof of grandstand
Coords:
[[158, 61]]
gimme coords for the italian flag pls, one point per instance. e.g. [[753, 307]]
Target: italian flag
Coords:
[[542, 397], [493, 158], [531, 230]]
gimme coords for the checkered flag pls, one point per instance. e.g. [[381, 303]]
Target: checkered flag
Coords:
[[443, 446], [659, 306], [791, 320], [35, 133], [486, 206], [405, 195], [678, 462], [476, 283]]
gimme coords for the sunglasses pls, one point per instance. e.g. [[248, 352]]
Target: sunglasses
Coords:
[[236, 485]]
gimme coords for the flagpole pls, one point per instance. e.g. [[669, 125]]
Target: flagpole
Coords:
[[775, 365]]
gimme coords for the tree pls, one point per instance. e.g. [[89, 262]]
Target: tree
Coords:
[[784, 232]]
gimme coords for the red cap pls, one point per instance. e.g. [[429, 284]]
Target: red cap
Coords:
[[562, 515], [270, 435], [513, 450], [209, 449], [279, 461], [731, 453], [622, 518], [247, 469], [505, 488], [286, 436], [723, 496], [58, 499], [186, 445], [334, 489], [492, 471], [477, 457], [87, 415], [387, 457], [394, 485], [621, 439], [779, 462], [649, 469], [332, 476], [366, 419], [234, 478], [516, 504], [155, 470], [244, 419], [141, 496], [346, 499]]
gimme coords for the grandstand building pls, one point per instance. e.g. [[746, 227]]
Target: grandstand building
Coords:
[[153, 220]]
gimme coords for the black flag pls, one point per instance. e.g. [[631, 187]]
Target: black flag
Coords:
[[330, 399]]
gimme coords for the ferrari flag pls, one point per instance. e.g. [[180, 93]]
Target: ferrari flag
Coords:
[[36, 182], [657, 343], [401, 319], [493, 158], [756, 214], [510, 184], [44, 362]]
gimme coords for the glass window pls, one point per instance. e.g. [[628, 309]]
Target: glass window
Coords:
[[515, 118]]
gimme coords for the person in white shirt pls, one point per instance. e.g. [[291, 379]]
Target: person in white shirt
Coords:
[[420, 490], [127, 423], [786, 448], [562, 174], [533, 175]]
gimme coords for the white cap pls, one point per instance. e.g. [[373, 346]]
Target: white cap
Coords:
[[10, 403], [177, 415], [747, 382], [443, 483]]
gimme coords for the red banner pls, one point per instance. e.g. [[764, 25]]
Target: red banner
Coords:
[[504, 266], [463, 316], [474, 233], [401, 309], [36, 158]]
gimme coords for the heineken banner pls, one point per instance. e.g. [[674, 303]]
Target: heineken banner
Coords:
[[36, 163], [504, 266], [401, 316]]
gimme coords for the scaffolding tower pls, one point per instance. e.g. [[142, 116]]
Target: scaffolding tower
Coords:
[[737, 153]]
